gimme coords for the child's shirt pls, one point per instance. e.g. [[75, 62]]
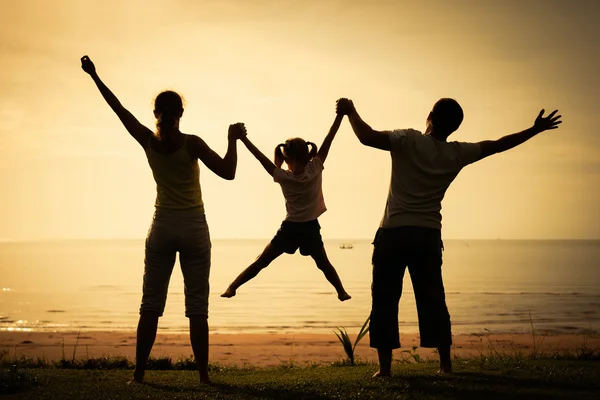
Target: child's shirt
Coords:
[[422, 170], [303, 193]]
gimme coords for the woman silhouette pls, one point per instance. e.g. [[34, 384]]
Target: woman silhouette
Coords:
[[179, 224]]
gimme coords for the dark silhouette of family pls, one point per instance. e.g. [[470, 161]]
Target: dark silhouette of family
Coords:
[[423, 167]]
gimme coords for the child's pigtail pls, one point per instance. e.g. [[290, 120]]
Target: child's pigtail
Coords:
[[313, 150], [279, 155]]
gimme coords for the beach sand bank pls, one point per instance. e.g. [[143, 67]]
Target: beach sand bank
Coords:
[[267, 349]]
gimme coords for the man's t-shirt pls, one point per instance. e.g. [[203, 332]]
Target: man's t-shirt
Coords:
[[422, 170], [303, 193]]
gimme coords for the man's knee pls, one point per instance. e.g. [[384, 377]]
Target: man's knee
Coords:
[[152, 307], [149, 316]]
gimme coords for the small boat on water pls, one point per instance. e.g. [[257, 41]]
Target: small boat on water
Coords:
[[346, 246]]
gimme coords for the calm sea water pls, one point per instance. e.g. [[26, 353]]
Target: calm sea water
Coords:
[[495, 285]]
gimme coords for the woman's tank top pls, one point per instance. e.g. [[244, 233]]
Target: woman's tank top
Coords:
[[177, 177]]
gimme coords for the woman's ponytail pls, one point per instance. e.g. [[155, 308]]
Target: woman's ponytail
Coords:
[[168, 107], [313, 150], [165, 123], [279, 155]]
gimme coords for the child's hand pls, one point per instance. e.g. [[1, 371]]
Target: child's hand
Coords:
[[550, 122], [237, 131], [87, 65], [344, 106]]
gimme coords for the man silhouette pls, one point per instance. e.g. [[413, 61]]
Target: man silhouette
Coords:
[[423, 166]]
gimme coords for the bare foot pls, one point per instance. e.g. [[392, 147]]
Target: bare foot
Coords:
[[229, 293], [380, 374], [446, 369], [344, 296]]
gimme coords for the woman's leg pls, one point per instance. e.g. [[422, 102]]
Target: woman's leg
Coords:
[[158, 264], [320, 257], [199, 340], [146, 334], [269, 254], [195, 259]]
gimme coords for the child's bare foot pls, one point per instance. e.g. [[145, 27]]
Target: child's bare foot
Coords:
[[380, 374], [344, 296], [229, 293]]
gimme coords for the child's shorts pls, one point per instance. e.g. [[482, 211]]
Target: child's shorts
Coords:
[[303, 235]]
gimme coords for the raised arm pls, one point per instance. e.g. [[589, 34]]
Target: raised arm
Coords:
[[133, 126], [264, 160], [324, 149], [224, 167], [367, 135], [507, 142]]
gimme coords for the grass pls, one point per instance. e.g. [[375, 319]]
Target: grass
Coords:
[[492, 375], [474, 378]]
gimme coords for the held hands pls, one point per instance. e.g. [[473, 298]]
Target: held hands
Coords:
[[237, 131], [546, 123], [87, 65], [344, 106]]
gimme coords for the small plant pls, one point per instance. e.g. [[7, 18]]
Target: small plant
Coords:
[[288, 364], [75, 347], [537, 343], [186, 363], [410, 355], [161, 363], [347, 343], [105, 363]]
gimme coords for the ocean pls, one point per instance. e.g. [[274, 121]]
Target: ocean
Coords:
[[491, 285]]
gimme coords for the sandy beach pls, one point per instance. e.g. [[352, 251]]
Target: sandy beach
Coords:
[[265, 349]]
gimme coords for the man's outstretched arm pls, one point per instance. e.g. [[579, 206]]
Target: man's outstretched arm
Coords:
[[507, 142], [367, 135]]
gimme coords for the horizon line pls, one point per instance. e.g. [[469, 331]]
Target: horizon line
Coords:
[[88, 239]]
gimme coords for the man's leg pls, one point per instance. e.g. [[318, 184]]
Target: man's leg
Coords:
[[386, 289], [425, 270]]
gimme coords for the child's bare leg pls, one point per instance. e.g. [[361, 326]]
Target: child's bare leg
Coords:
[[199, 340], [320, 257], [269, 254]]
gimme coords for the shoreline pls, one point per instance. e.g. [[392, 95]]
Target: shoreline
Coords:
[[272, 349]]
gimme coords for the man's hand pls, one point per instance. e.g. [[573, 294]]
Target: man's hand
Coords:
[[344, 106], [542, 124], [87, 65], [236, 131]]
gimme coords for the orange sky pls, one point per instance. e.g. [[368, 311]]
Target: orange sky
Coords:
[[70, 170]]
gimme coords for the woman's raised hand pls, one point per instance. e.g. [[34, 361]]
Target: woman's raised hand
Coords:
[[546, 123], [344, 106], [237, 131], [87, 65]]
